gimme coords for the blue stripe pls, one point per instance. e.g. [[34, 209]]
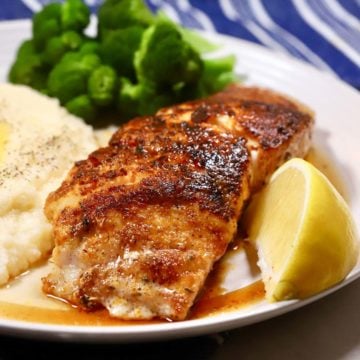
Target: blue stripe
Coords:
[[243, 8], [152, 7], [282, 12], [290, 20], [221, 23], [14, 9], [352, 6], [348, 34], [187, 19]]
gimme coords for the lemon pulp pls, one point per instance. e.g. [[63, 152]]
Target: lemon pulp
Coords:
[[303, 231]]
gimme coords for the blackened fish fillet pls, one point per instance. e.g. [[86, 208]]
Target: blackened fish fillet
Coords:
[[139, 225]]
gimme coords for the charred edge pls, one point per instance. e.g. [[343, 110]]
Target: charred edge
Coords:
[[272, 124]]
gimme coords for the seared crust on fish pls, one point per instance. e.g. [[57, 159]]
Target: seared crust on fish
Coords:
[[139, 225]]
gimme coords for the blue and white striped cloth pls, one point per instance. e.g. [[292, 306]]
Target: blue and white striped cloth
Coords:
[[325, 33]]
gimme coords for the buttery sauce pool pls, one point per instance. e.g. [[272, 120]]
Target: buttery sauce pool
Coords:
[[40, 308], [23, 299], [209, 306]]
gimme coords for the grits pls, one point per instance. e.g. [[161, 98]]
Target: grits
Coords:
[[39, 141]]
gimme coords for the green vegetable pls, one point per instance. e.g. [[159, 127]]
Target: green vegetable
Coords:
[[165, 59], [140, 99], [102, 85], [59, 45], [120, 14], [56, 18], [28, 69], [69, 78], [129, 98], [46, 24], [197, 42], [90, 47], [82, 107], [137, 63], [194, 39], [75, 15], [217, 74], [118, 49]]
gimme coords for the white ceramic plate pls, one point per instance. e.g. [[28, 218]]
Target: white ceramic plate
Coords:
[[337, 108]]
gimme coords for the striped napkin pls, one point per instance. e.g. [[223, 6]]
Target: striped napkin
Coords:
[[324, 33]]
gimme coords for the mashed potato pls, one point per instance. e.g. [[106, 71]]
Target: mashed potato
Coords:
[[39, 142]]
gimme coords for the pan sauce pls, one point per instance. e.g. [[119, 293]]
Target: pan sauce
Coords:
[[41, 309]]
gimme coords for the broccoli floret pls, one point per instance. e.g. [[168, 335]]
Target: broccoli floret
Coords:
[[75, 15], [28, 69], [119, 14], [59, 45], [197, 42], [138, 62], [27, 48], [102, 85], [46, 24], [56, 18], [165, 59], [118, 48], [82, 107], [69, 78], [193, 38], [217, 74], [90, 47], [140, 99], [128, 99]]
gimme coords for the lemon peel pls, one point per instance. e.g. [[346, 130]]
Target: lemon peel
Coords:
[[303, 231]]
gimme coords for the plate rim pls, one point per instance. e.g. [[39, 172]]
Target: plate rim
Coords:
[[210, 324], [156, 332]]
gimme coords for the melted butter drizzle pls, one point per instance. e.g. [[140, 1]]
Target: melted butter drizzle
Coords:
[[71, 316], [230, 301], [212, 300]]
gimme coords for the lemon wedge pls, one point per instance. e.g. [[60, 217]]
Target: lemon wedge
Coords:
[[303, 231]]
